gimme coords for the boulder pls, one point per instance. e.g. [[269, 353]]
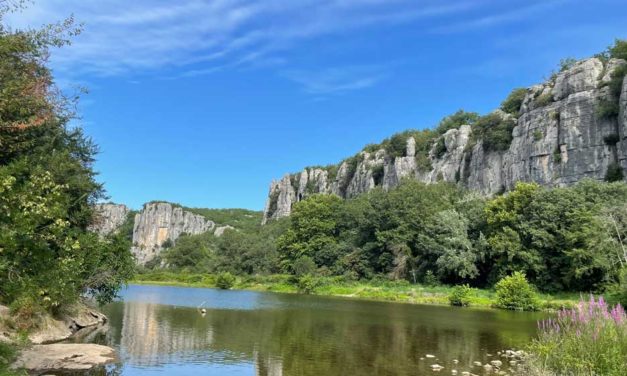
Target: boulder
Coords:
[[64, 357]]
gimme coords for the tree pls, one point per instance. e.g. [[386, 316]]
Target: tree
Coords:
[[312, 231], [514, 100], [47, 185]]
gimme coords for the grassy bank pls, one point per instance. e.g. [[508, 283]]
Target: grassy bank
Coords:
[[394, 291]]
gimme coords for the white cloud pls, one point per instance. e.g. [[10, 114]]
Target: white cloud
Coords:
[[337, 80], [199, 37]]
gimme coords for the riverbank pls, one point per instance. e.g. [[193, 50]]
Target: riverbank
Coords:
[[33, 345], [380, 290]]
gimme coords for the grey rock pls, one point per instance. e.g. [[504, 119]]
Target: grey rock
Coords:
[[622, 127], [159, 222], [583, 76], [219, 231], [64, 357], [280, 199], [557, 141], [108, 218]]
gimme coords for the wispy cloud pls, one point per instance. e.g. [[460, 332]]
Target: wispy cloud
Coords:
[[336, 80], [201, 37]]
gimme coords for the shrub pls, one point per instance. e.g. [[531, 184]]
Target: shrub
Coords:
[[307, 284], [614, 172], [440, 148], [606, 109], [590, 339], [225, 280], [495, 130], [514, 100], [544, 100], [618, 292], [430, 279], [537, 135], [456, 120], [515, 293], [304, 265], [619, 49], [567, 63], [461, 295], [557, 155]]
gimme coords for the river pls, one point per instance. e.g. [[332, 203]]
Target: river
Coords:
[[159, 330]]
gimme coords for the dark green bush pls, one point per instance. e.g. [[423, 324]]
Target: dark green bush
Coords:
[[456, 120], [514, 100], [606, 109], [619, 49], [537, 135], [495, 131], [515, 293], [614, 173], [430, 279], [307, 284], [440, 148], [461, 295], [225, 280]]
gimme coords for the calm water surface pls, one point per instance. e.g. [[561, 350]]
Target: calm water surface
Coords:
[[159, 331]]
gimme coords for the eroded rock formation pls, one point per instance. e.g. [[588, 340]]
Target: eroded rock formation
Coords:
[[108, 218], [559, 138], [159, 223]]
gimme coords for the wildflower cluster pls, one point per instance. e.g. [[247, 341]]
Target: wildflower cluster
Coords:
[[589, 339]]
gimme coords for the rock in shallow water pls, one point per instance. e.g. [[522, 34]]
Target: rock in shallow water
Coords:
[[64, 357]]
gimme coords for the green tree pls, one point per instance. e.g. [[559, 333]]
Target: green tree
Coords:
[[312, 231], [514, 100], [47, 186]]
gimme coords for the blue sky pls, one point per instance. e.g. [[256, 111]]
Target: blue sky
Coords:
[[205, 102]]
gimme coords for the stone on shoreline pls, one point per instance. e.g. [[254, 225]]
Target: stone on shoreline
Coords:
[[64, 357]]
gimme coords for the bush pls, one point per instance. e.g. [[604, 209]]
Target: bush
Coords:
[[619, 49], [590, 339], [514, 100], [515, 293], [304, 265], [537, 135], [225, 280], [461, 295], [607, 109], [614, 172], [618, 292], [544, 100], [456, 120], [440, 148], [430, 279], [307, 284], [495, 130]]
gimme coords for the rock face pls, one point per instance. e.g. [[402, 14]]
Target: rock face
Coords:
[[108, 218], [558, 139], [161, 222], [58, 329], [64, 357]]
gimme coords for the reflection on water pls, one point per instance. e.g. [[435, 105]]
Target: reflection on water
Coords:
[[159, 330]]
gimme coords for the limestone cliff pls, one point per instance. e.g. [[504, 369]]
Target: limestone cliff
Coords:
[[108, 218], [558, 138], [161, 222]]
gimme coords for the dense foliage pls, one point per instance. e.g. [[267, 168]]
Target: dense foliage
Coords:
[[562, 239], [514, 100], [47, 187]]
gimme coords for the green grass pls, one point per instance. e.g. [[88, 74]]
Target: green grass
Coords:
[[382, 290], [8, 353]]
